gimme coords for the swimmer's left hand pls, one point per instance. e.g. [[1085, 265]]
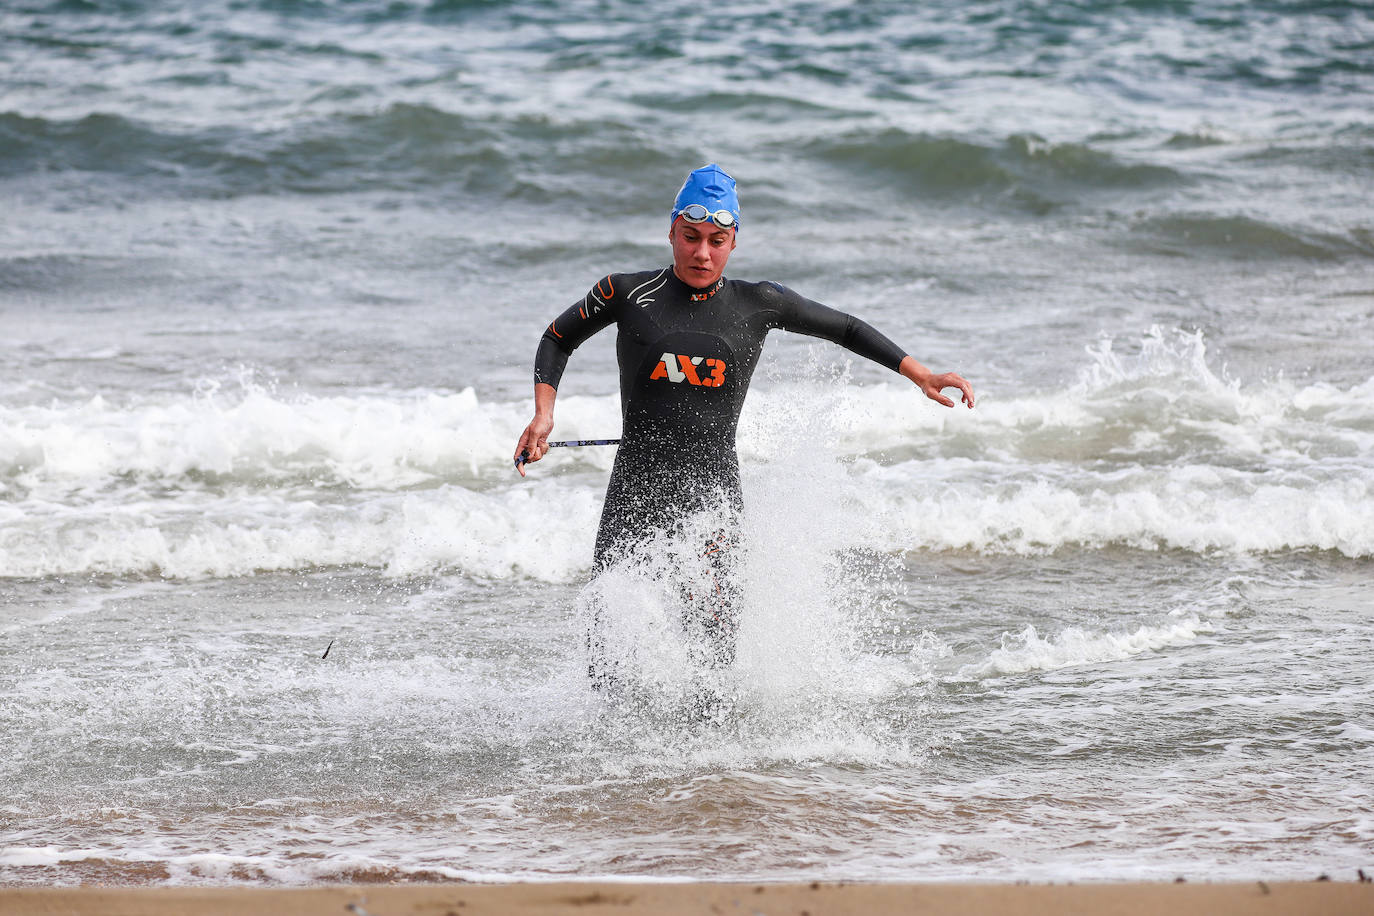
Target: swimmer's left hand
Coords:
[[939, 383], [932, 385]]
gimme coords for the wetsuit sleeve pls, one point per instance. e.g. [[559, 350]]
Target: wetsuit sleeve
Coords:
[[794, 312], [571, 329]]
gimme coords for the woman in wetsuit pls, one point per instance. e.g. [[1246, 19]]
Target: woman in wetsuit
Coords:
[[687, 343]]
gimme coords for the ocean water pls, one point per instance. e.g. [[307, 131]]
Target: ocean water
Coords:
[[274, 607]]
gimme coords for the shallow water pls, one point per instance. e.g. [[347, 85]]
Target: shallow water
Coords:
[[271, 277]]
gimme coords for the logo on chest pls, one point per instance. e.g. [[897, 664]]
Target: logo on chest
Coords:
[[694, 370]]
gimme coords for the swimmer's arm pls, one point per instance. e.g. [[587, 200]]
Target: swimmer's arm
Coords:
[[805, 316], [564, 335], [534, 441]]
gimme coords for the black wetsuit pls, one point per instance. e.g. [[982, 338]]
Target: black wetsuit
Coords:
[[686, 356]]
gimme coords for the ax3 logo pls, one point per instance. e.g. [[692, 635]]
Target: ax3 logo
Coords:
[[690, 369]]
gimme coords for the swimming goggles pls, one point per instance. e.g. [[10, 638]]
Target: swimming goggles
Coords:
[[697, 213]]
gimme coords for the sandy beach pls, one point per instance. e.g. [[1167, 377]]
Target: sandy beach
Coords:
[[1315, 898]]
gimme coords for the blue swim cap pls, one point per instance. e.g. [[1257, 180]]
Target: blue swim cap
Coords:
[[710, 187]]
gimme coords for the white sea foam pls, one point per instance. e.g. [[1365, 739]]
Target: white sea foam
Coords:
[[391, 441], [1151, 450], [489, 534], [1029, 651], [970, 506], [1162, 403]]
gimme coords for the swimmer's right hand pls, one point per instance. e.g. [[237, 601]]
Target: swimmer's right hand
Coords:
[[534, 442]]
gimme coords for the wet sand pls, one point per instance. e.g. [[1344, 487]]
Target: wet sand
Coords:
[[1315, 898]]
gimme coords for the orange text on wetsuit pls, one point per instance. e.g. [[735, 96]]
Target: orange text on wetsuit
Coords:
[[678, 368]]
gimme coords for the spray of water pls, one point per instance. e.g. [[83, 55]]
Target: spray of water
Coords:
[[809, 582]]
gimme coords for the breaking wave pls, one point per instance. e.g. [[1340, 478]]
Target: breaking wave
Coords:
[[1150, 448]]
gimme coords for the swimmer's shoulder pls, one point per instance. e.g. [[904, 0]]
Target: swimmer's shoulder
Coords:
[[637, 287], [768, 295]]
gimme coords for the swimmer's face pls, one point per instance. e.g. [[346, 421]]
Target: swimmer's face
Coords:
[[700, 251]]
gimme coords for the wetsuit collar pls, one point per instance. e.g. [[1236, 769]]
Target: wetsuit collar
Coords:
[[698, 294]]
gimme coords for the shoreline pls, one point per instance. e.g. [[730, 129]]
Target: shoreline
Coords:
[[594, 898]]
